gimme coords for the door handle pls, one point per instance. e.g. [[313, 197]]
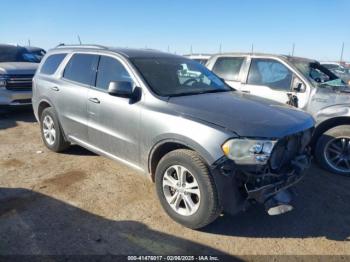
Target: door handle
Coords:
[[246, 91], [94, 100], [55, 88]]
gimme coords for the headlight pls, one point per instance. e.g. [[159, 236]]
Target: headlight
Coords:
[[248, 151]]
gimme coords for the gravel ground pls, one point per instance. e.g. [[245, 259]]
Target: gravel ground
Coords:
[[80, 203]]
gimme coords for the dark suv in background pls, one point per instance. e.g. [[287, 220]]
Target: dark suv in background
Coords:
[[17, 68], [207, 148]]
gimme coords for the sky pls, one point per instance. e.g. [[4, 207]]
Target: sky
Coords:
[[316, 27]]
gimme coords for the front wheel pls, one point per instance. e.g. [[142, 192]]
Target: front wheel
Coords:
[[186, 189], [333, 150]]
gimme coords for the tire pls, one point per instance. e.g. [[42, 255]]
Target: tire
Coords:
[[58, 144], [207, 207], [328, 144]]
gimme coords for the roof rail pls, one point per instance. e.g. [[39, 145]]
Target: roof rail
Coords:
[[81, 46]]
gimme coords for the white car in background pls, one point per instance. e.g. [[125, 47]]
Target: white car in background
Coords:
[[339, 69], [201, 58]]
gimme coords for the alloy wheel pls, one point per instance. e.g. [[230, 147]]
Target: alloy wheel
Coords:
[[181, 190], [337, 154], [49, 130]]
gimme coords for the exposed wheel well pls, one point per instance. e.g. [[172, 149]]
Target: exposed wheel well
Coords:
[[41, 108], [328, 124], [161, 151]]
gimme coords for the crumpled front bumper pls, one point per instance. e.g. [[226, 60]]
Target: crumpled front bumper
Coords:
[[279, 182], [238, 186]]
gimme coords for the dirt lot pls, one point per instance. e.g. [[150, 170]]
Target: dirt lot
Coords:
[[81, 203]]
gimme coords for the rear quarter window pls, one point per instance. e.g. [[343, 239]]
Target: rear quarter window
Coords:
[[51, 64]]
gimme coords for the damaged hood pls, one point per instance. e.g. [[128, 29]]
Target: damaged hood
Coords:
[[18, 68], [243, 114], [324, 97]]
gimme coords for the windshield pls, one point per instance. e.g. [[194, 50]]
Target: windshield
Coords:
[[36, 54], [317, 73], [17, 54], [178, 76]]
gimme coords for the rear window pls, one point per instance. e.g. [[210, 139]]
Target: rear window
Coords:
[[82, 68], [228, 68], [51, 64]]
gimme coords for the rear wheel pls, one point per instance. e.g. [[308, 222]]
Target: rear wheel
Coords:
[[51, 132], [333, 150], [186, 189]]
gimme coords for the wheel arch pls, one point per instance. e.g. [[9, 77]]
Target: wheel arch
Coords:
[[165, 146], [328, 124], [42, 106]]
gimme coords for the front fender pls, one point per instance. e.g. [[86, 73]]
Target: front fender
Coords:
[[182, 140], [341, 110]]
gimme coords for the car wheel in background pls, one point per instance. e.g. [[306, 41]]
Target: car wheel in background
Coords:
[[333, 150]]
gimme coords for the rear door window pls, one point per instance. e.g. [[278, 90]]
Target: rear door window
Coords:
[[110, 69], [228, 68], [52, 63], [271, 73], [81, 68]]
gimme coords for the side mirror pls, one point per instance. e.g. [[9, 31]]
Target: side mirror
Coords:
[[299, 87], [120, 88]]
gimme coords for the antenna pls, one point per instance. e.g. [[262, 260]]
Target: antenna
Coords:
[[28, 42], [191, 51], [168, 49], [220, 49], [342, 52], [79, 40], [252, 50], [293, 48]]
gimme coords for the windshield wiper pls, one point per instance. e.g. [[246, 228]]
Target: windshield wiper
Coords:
[[199, 92]]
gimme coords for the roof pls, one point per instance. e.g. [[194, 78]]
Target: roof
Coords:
[[127, 52], [33, 48], [288, 57]]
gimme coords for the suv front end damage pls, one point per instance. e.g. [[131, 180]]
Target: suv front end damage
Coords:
[[268, 183]]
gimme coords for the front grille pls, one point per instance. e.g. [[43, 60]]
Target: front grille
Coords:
[[19, 82], [288, 148]]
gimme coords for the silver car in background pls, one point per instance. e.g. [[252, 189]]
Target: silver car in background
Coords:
[[17, 68], [207, 148], [300, 82]]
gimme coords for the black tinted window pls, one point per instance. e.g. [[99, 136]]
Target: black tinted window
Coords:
[[228, 67], [109, 70], [9, 53], [82, 68], [271, 73], [51, 64]]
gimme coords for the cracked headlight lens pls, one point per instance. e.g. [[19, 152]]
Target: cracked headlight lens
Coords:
[[248, 151]]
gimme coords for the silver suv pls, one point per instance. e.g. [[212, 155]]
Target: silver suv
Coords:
[[17, 68], [207, 148]]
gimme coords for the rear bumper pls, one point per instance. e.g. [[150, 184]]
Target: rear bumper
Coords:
[[238, 188], [15, 98]]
